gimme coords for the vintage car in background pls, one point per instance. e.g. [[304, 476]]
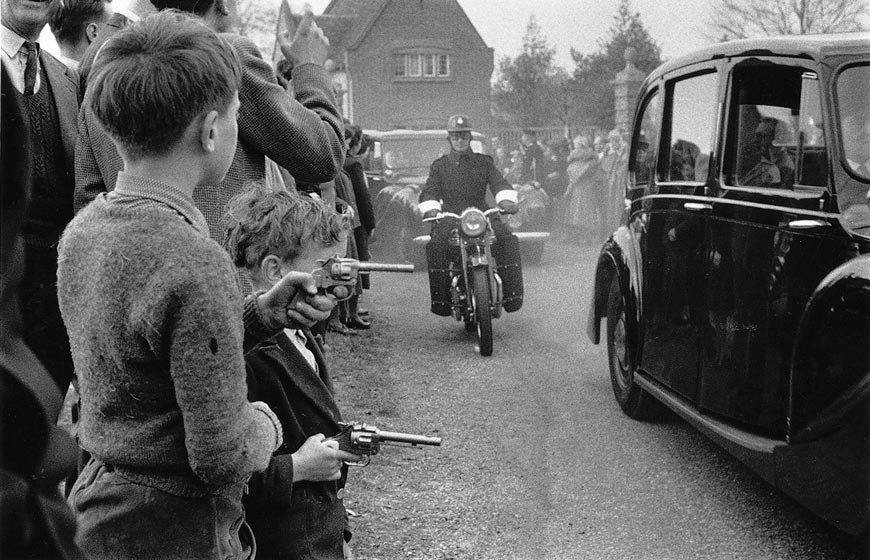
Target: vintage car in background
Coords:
[[737, 293], [397, 166]]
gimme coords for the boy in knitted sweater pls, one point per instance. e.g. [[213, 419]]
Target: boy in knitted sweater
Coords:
[[295, 507], [154, 312]]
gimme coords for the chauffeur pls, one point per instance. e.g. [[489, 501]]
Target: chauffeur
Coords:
[[456, 181]]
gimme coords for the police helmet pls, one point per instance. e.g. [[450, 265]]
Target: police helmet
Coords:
[[459, 123]]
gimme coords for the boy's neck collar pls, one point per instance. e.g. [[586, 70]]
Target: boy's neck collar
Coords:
[[164, 171]]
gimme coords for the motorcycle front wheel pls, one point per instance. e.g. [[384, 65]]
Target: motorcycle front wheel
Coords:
[[481, 304]]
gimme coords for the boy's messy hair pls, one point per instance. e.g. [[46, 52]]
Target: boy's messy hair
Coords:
[[262, 221], [152, 79]]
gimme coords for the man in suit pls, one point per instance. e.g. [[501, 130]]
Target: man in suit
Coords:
[[295, 507], [36, 452], [48, 90], [75, 24], [133, 11], [304, 135]]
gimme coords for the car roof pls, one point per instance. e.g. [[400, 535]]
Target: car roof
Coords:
[[800, 46], [403, 134]]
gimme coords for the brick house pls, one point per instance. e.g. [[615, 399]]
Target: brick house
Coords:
[[408, 63]]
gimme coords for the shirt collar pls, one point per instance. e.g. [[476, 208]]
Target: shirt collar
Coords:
[[140, 187], [454, 156], [10, 41]]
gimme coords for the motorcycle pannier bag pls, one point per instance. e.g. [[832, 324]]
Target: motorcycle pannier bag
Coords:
[[507, 257]]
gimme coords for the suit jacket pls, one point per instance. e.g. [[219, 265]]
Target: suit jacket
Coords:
[[305, 135], [65, 90], [40, 453], [289, 518]]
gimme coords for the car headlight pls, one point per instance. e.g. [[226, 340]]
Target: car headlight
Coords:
[[473, 222]]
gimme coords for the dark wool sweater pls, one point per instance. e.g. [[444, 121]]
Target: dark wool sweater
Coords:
[[154, 316]]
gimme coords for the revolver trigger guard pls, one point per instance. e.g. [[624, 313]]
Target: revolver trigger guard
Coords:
[[362, 463]]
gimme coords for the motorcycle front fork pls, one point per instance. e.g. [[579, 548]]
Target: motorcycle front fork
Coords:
[[459, 297]]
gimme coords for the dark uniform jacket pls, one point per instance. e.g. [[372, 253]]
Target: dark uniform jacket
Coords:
[[306, 519], [459, 180]]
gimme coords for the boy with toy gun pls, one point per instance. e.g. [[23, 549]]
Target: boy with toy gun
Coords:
[[337, 276], [295, 507], [364, 440]]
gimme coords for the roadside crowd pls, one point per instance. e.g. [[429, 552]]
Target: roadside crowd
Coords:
[[583, 179], [166, 195]]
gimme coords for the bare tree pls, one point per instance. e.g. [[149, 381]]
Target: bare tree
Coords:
[[740, 19]]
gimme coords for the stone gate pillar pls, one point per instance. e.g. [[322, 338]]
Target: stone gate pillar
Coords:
[[625, 88]]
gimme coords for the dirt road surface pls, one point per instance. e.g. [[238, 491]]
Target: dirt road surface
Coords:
[[538, 462]]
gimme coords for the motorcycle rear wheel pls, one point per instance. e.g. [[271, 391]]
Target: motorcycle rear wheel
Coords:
[[481, 303]]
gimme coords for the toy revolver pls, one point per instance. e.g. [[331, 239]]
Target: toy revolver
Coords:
[[337, 276], [365, 440]]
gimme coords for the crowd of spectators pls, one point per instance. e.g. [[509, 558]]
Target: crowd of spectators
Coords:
[[582, 180], [119, 163]]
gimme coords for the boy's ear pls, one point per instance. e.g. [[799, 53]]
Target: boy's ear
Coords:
[[208, 131], [270, 268]]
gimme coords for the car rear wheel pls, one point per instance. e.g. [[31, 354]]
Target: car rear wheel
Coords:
[[621, 352]]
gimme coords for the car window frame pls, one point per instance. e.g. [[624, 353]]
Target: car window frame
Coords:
[[686, 73], [797, 192], [652, 90]]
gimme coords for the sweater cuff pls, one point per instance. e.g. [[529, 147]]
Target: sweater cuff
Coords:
[[507, 194], [256, 327], [279, 432]]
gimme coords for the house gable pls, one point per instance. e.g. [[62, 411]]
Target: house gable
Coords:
[[451, 65]]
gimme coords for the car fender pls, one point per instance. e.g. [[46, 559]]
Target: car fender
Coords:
[[617, 258], [832, 349]]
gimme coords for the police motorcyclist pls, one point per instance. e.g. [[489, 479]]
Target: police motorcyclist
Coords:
[[456, 181]]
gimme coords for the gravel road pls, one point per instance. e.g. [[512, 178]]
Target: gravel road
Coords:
[[538, 461]]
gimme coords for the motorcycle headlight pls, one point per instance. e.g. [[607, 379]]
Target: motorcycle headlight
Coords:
[[473, 222]]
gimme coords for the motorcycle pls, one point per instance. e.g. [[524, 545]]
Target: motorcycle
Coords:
[[475, 287]]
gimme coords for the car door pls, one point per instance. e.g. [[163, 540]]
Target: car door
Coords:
[[772, 237], [673, 245]]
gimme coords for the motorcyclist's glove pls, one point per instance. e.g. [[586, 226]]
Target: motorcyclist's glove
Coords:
[[508, 207]]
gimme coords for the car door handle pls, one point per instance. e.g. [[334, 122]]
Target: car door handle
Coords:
[[807, 224], [697, 206]]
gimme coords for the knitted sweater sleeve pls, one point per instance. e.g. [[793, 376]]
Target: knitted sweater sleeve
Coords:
[[226, 437]]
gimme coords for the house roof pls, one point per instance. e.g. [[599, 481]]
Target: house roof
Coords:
[[361, 15]]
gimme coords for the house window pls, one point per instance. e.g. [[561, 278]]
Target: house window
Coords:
[[421, 65], [428, 64], [443, 65]]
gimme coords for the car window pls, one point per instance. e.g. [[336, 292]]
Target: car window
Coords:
[[812, 153], [762, 128], [692, 125], [853, 100], [645, 140]]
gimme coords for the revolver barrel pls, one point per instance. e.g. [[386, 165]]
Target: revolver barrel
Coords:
[[367, 266], [412, 439]]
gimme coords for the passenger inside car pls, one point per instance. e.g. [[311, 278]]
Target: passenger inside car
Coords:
[[763, 163]]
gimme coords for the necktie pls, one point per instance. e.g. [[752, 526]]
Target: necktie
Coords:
[[30, 68]]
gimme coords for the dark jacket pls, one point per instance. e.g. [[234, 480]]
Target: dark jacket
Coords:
[[306, 519], [460, 180], [354, 169]]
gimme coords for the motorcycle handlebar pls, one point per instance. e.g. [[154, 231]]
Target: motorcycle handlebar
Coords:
[[442, 215]]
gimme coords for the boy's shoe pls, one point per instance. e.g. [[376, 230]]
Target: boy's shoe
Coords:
[[340, 329], [358, 323]]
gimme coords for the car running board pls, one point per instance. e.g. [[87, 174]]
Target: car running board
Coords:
[[756, 451]]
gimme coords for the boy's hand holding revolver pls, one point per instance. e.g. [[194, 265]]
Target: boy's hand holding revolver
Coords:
[[320, 459], [294, 302]]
